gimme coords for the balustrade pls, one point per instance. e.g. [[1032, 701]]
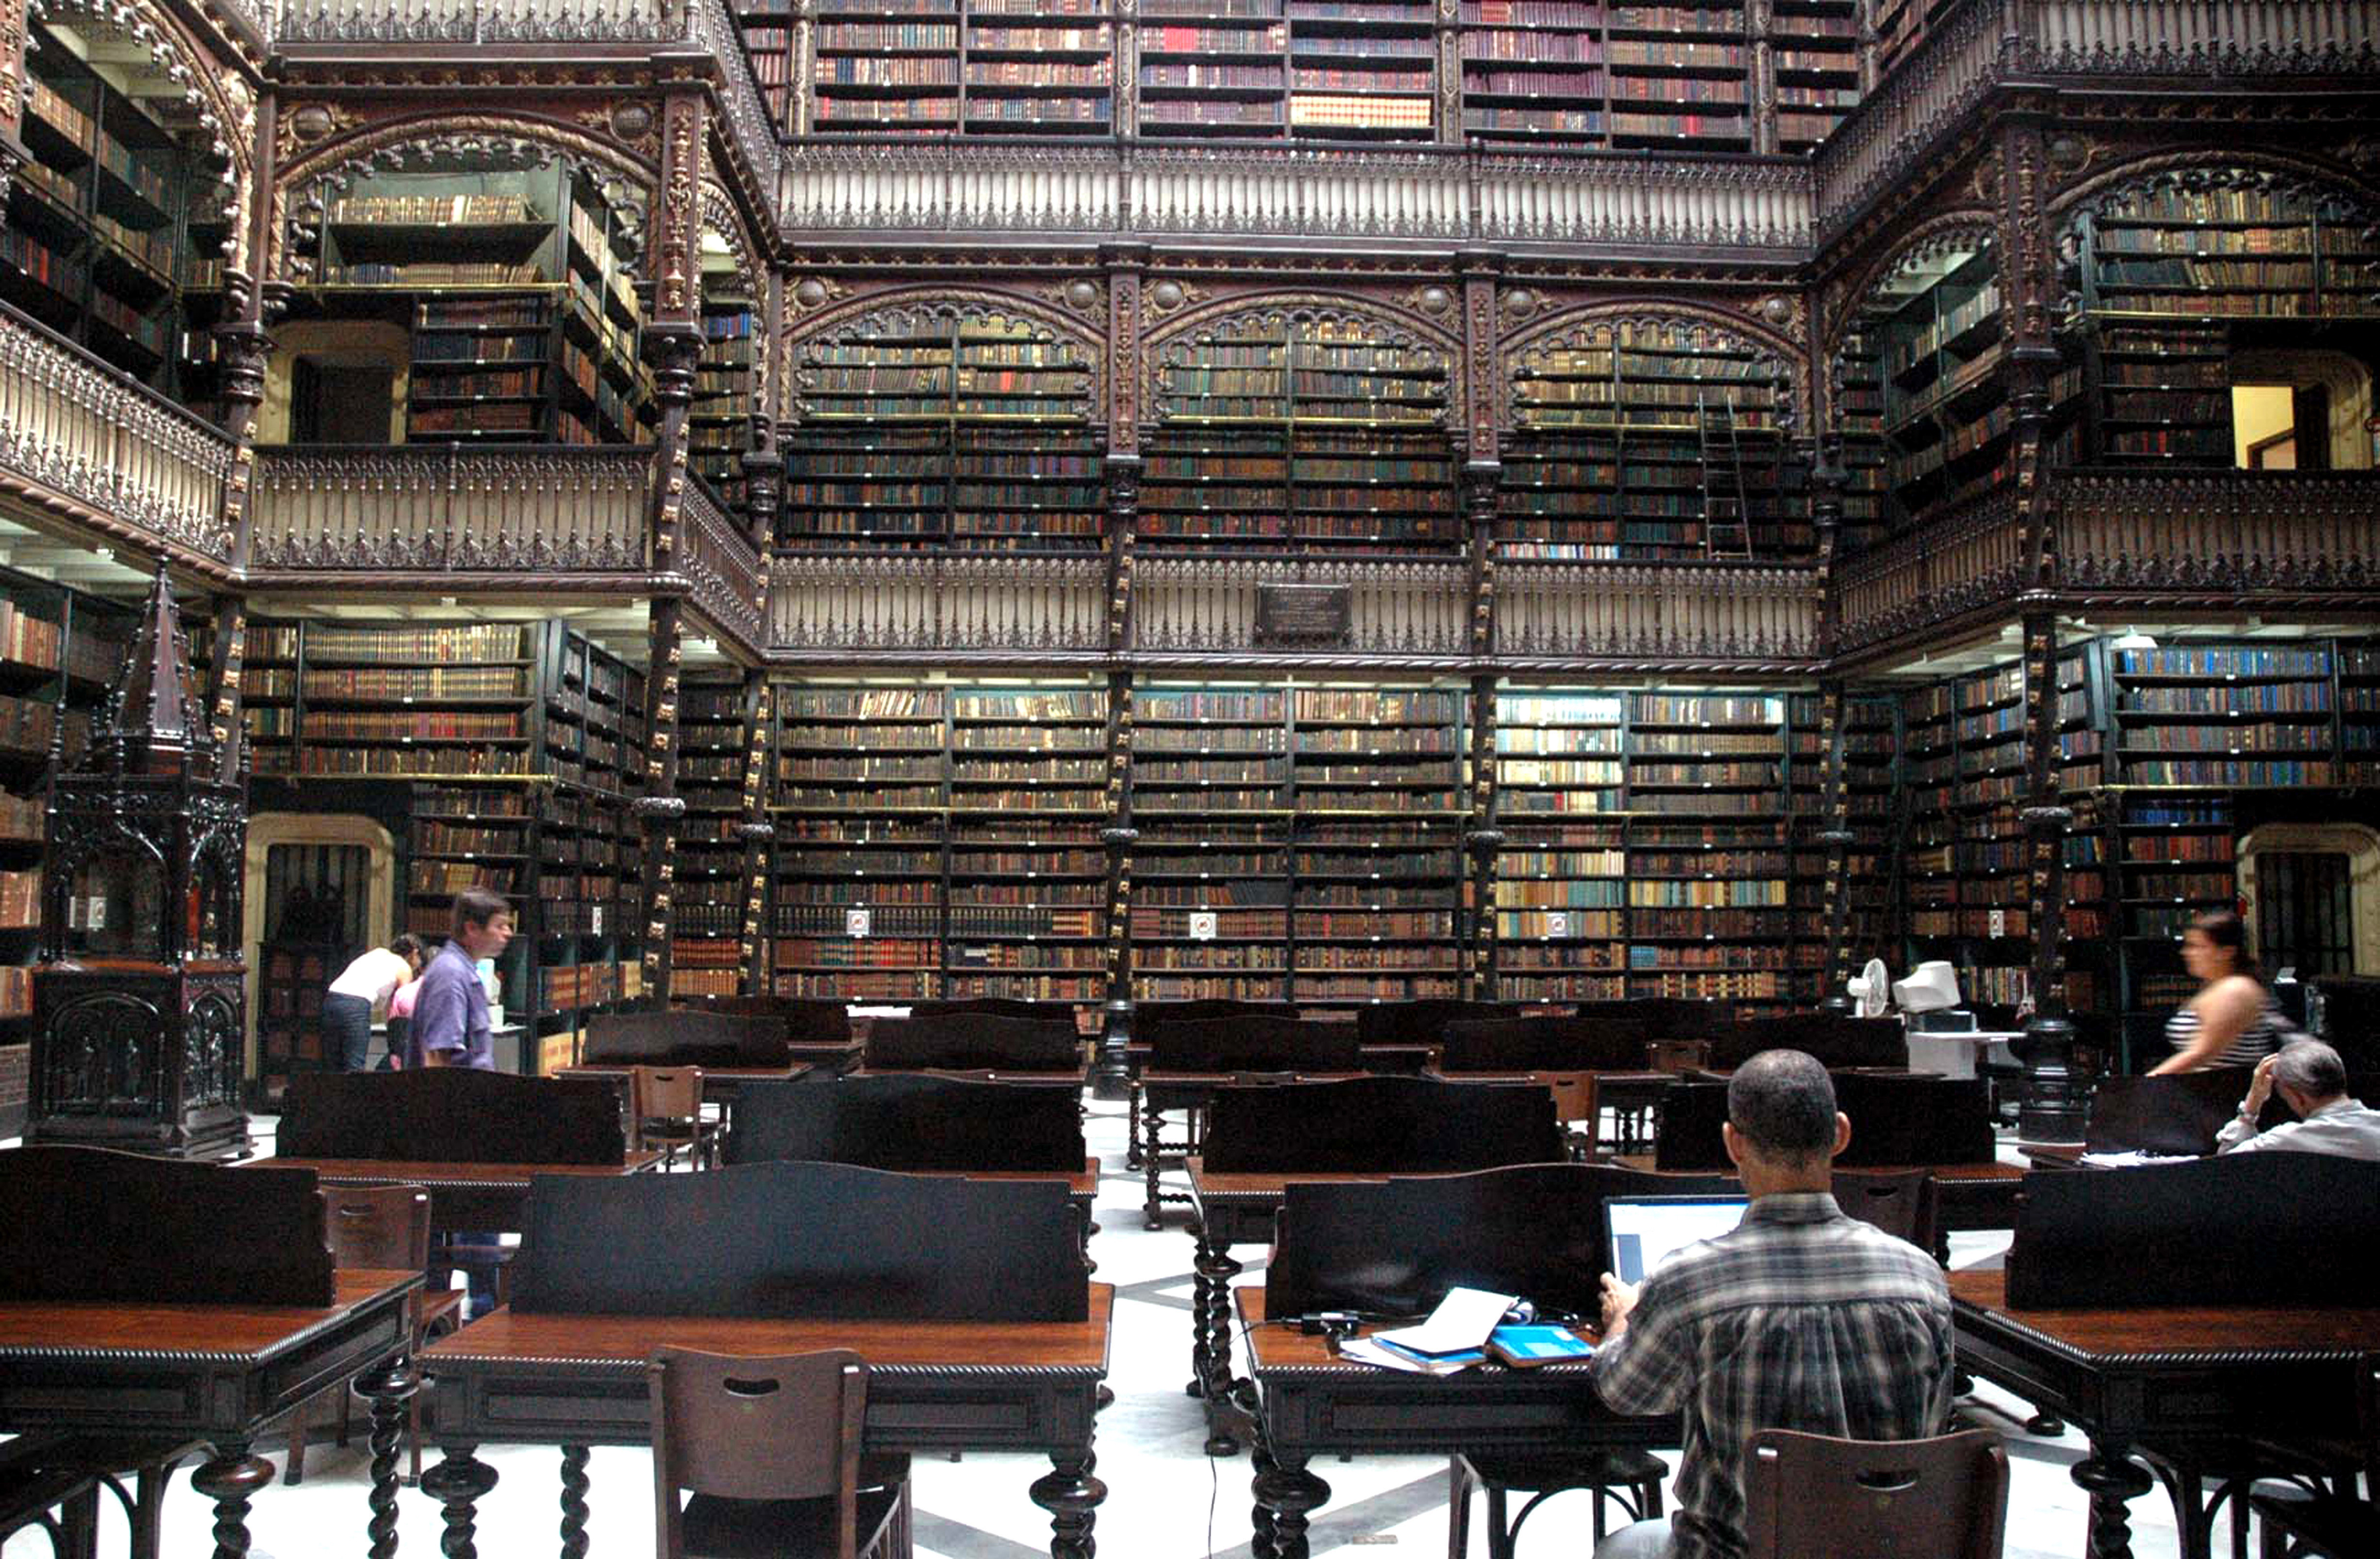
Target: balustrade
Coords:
[[1209, 606], [1972, 557], [2228, 532], [720, 562], [480, 21], [142, 467], [424, 508], [1724, 614], [920, 602]]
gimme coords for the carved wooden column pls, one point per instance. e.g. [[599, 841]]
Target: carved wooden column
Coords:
[[764, 463], [1481, 842], [661, 808], [1758, 16], [1110, 1078], [673, 345], [13, 154], [2054, 1106], [1835, 836], [756, 832], [1869, 71]]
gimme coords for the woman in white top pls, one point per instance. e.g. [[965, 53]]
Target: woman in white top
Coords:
[[364, 987]]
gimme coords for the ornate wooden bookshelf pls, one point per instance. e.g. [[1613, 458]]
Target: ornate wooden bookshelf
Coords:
[[1814, 46], [974, 431], [705, 942], [1560, 895], [114, 227], [1041, 67], [720, 423], [1026, 891], [1651, 441], [515, 292], [862, 804], [1278, 433], [1210, 902]]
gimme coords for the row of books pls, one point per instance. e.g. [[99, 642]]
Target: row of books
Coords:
[[441, 209]]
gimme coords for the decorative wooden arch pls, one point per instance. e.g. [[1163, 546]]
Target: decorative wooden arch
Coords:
[[936, 303], [1571, 327], [502, 140], [1961, 229], [718, 213], [1395, 326]]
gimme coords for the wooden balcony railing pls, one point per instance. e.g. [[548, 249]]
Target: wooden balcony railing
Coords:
[[724, 567], [1206, 607], [1435, 194], [2228, 533], [952, 606], [1973, 557], [1730, 615], [1989, 41], [479, 21], [107, 453], [425, 510]]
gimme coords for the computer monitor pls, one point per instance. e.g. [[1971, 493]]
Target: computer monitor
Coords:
[[1643, 1232]]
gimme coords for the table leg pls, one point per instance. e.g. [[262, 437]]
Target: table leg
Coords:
[[1215, 1381], [1132, 1128], [229, 1479], [1201, 1344], [574, 1502], [458, 1483], [2112, 1477], [1290, 1491], [388, 1389], [1071, 1495], [1264, 1542], [1152, 1120]]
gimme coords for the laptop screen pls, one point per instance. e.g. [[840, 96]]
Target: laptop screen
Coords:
[[1643, 1232]]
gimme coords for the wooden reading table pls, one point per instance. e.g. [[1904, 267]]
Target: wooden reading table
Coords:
[[462, 1196], [2166, 1375], [1312, 1403]]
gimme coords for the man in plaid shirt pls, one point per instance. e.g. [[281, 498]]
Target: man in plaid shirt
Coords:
[[1801, 1318]]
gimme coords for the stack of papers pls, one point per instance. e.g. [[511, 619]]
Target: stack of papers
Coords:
[[1455, 1337]]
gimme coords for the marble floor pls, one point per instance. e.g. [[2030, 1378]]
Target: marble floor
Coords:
[[1166, 1499]]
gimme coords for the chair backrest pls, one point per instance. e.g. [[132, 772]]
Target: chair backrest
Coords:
[[384, 1226], [962, 1041], [665, 1094], [777, 1428], [1811, 1496], [1836, 1041], [1544, 1045], [1899, 1201]]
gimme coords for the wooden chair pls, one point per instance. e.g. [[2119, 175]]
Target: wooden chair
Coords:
[[666, 1112], [768, 1447], [1812, 1496], [384, 1226], [1632, 1476], [2336, 1524], [1899, 1201]]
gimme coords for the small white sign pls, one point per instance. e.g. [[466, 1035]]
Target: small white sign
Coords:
[[595, 921], [1556, 923], [1999, 922], [855, 922], [95, 917], [1202, 925]]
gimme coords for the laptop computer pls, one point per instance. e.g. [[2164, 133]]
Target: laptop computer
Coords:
[[1643, 1232]]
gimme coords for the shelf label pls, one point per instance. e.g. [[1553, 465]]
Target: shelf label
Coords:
[[1556, 923], [595, 921], [1999, 922], [1202, 925], [855, 922]]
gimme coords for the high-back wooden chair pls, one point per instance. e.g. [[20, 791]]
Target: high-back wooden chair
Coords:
[[768, 1448], [1813, 1496], [386, 1228], [666, 1112], [1899, 1201]]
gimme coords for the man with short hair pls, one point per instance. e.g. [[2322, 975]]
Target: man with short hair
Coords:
[[1801, 1318], [452, 1028], [451, 1025], [2311, 1080]]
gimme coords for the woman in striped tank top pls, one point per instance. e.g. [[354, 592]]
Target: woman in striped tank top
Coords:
[[2232, 1021]]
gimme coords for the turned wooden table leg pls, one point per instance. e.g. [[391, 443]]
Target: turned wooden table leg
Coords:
[[2112, 1479], [231, 1479], [1201, 1342], [458, 1483], [574, 1502], [388, 1390], [1217, 1269], [1072, 1497], [1152, 1150], [1290, 1491]]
